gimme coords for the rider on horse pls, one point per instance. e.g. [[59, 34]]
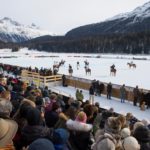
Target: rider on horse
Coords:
[[112, 67]]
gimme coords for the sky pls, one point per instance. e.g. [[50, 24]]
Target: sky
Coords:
[[60, 16]]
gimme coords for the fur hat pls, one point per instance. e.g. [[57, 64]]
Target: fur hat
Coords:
[[114, 124], [125, 132], [8, 129], [41, 144], [130, 143], [81, 117]]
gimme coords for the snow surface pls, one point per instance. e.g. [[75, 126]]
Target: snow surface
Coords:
[[100, 71], [121, 108], [11, 27], [100, 67], [138, 13]]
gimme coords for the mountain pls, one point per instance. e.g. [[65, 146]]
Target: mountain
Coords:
[[135, 21], [12, 31], [125, 33]]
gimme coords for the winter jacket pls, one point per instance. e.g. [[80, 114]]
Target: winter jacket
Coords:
[[31, 133], [80, 137]]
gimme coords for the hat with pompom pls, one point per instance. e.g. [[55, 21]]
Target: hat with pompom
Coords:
[[81, 117]]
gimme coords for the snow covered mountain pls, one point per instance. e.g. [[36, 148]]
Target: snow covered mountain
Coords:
[[12, 31], [137, 20], [138, 14]]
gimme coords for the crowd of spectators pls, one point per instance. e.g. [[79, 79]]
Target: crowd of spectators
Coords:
[[16, 70], [34, 118]]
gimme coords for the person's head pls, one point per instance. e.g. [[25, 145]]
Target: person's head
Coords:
[[60, 138], [41, 144], [130, 143], [5, 107], [88, 109], [6, 95], [125, 132], [113, 125], [3, 81], [33, 116], [81, 117], [53, 97], [8, 129], [137, 124], [142, 134]]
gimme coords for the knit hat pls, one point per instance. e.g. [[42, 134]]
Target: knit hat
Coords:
[[142, 134], [8, 129], [125, 132], [41, 144], [130, 143], [81, 117], [60, 138], [137, 124], [105, 142]]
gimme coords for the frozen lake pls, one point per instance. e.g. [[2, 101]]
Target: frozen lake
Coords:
[[100, 67]]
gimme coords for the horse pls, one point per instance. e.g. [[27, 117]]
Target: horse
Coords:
[[87, 71], [56, 66], [62, 62], [113, 71], [131, 65]]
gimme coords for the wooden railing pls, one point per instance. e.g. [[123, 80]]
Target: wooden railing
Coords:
[[38, 79], [85, 84]]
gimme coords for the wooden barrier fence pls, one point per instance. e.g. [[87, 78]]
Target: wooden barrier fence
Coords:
[[39, 80], [74, 82], [85, 84]]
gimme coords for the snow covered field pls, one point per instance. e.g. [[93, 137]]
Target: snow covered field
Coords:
[[121, 108], [100, 71], [99, 64]]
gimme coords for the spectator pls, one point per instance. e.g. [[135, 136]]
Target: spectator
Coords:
[[63, 80], [142, 134], [122, 93], [136, 94], [109, 90], [91, 93], [101, 88], [41, 144], [8, 127], [79, 95]]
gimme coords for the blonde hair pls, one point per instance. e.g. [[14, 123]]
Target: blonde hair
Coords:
[[5, 94]]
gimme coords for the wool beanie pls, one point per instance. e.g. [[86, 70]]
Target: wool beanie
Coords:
[[142, 134], [60, 136], [81, 117], [41, 144], [130, 143], [125, 132]]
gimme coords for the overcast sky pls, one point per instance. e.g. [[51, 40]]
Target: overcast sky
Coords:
[[59, 16]]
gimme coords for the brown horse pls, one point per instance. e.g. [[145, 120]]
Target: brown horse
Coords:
[[113, 71], [131, 65], [56, 66], [87, 71]]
